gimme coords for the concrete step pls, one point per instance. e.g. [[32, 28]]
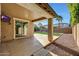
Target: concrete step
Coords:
[[42, 52], [61, 50]]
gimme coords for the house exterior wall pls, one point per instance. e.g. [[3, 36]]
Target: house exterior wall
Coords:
[[0, 22], [30, 29], [0, 29], [8, 33], [75, 32], [7, 30]]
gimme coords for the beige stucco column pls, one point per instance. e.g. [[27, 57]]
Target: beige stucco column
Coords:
[[50, 30], [30, 29]]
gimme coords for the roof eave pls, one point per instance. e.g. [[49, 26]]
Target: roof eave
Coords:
[[47, 8]]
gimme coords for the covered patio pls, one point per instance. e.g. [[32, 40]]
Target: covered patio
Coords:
[[25, 13], [30, 44], [29, 15]]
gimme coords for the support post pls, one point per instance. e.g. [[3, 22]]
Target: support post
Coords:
[[50, 30]]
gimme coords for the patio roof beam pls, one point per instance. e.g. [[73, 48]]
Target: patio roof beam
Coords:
[[42, 18]]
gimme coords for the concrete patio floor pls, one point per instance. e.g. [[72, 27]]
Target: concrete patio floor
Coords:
[[21, 47], [24, 47], [43, 39], [64, 46]]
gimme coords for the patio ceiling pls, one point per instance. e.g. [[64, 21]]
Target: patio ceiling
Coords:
[[15, 10], [29, 11], [47, 8], [39, 11]]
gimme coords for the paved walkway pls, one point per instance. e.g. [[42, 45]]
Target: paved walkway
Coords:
[[64, 46]]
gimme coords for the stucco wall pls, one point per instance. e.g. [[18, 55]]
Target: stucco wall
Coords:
[[0, 22], [30, 29], [78, 34], [0, 29], [74, 29], [7, 30], [75, 33], [13, 10]]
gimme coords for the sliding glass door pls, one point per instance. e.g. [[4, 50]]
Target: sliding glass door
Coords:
[[21, 28]]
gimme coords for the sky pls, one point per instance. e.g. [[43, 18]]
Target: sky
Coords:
[[62, 10]]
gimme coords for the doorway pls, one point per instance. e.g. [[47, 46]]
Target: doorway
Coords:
[[20, 28]]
